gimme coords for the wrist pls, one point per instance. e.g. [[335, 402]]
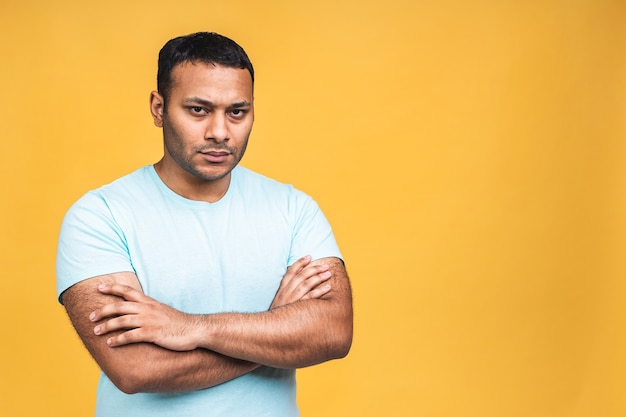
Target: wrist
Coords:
[[202, 334]]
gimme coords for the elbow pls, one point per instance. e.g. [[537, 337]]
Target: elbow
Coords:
[[341, 338], [128, 386], [334, 345], [340, 341], [131, 380], [342, 344], [343, 349]]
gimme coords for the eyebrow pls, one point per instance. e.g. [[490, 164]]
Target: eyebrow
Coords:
[[207, 103]]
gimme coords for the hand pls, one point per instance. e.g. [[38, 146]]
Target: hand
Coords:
[[302, 281], [143, 319]]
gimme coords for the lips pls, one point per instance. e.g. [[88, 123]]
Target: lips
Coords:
[[215, 156]]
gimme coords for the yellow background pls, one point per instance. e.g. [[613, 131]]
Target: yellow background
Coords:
[[469, 154]]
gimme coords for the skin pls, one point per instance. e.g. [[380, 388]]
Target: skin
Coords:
[[147, 367], [206, 125], [292, 335], [146, 346]]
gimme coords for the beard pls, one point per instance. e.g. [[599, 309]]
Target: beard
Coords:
[[189, 158]]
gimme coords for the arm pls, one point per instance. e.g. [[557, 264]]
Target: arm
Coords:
[[145, 367], [298, 334], [292, 336]]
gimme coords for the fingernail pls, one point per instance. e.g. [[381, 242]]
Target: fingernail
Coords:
[[325, 274], [102, 286], [92, 316], [96, 330]]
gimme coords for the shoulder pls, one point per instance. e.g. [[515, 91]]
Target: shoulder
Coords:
[[130, 185], [253, 183], [136, 182], [278, 200]]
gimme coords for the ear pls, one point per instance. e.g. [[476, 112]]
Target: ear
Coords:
[[157, 105]]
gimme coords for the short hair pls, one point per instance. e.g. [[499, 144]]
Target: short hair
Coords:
[[205, 47]]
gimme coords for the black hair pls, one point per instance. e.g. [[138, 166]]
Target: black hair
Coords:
[[206, 47]]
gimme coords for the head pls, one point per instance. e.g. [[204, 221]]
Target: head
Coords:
[[205, 107], [202, 47]]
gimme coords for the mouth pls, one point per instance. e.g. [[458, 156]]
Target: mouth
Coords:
[[215, 156]]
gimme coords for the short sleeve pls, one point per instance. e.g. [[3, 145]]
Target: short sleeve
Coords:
[[312, 234], [91, 243]]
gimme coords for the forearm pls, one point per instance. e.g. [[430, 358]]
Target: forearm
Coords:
[[293, 336], [149, 368], [144, 367], [296, 332]]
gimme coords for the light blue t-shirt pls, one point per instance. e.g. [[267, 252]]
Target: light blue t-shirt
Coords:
[[198, 257]]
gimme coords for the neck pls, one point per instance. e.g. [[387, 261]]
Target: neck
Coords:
[[190, 187]]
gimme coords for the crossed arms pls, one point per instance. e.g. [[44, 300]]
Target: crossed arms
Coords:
[[143, 345]]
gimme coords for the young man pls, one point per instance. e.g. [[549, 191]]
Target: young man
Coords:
[[199, 286]]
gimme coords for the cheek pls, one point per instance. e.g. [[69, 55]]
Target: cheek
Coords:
[[182, 134], [242, 133]]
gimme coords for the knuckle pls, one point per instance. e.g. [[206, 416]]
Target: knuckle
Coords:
[[308, 284], [125, 321], [100, 329]]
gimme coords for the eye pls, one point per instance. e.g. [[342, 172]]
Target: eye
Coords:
[[238, 113], [197, 111]]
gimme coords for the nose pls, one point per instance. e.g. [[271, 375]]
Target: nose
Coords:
[[217, 129]]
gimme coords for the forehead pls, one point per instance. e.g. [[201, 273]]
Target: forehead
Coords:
[[211, 82]]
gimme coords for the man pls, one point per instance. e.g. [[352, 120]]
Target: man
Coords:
[[197, 285]]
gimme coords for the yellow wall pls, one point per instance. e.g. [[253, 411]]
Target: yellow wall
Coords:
[[470, 155]]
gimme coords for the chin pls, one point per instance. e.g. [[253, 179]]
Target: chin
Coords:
[[213, 176]]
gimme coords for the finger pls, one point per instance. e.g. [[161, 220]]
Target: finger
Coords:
[[297, 266], [127, 292], [317, 292], [114, 309], [309, 272], [300, 263], [304, 261], [293, 270], [310, 284], [306, 273], [119, 323], [294, 284], [127, 338], [299, 287]]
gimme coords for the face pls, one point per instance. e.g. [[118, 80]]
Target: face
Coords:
[[206, 122]]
